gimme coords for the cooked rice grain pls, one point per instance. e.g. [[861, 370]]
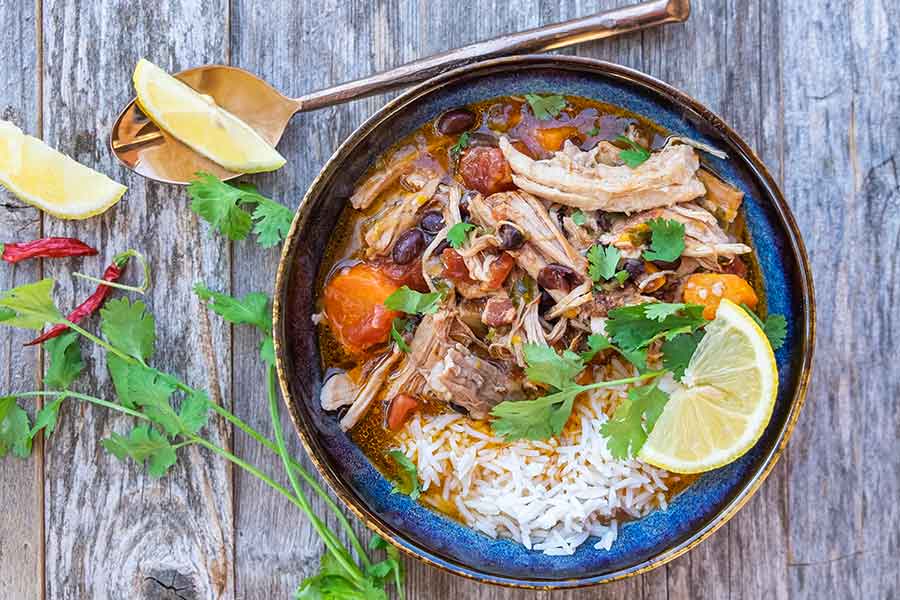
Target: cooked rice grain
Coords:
[[549, 495]]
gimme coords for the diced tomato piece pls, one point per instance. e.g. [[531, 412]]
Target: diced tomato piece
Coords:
[[455, 267], [485, 169], [354, 306], [401, 409], [409, 275], [499, 270], [708, 289]]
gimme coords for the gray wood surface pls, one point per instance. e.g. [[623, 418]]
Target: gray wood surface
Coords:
[[814, 88]]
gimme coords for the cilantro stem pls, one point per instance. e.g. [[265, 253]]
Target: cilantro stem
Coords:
[[282, 451], [86, 398], [614, 382], [129, 359], [302, 504], [309, 479]]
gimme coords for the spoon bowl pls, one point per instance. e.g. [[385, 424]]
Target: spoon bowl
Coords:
[[145, 149], [140, 145]]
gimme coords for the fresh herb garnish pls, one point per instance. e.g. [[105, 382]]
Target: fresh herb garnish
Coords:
[[221, 205], [143, 444], [597, 342], [457, 234], [414, 303], [633, 420], [634, 155], [593, 131], [602, 262], [409, 476], [677, 352], [15, 431], [546, 416], [545, 107], [635, 327], [578, 218], [398, 328], [66, 363], [622, 276], [667, 240], [461, 144], [775, 327]]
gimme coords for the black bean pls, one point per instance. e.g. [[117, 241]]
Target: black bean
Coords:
[[668, 266], [481, 138], [510, 237], [604, 223], [455, 121], [634, 266], [464, 205], [558, 277], [547, 302], [441, 247], [432, 221], [408, 247]]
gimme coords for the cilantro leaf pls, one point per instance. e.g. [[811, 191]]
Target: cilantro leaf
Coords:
[[536, 419], [412, 302], [46, 418], [461, 144], [129, 327], [775, 327], [220, 204], [457, 234], [597, 342], [194, 412], [578, 218], [545, 107], [15, 429], [633, 420], [667, 241], [603, 261], [546, 366], [216, 202], [65, 361], [658, 311], [630, 328], [622, 276], [142, 444], [252, 309], [677, 352], [634, 155], [409, 475], [399, 325], [272, 221], [30, 306]]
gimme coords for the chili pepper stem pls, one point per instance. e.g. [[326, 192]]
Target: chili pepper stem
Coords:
[[120, 260]]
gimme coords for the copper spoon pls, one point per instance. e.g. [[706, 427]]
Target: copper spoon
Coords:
[[143, 148]]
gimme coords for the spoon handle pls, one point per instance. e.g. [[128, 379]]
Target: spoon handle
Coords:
[[550, 37]]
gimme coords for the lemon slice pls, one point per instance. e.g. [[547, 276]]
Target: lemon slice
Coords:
[[50, 180], [196, 120], [724, 402]]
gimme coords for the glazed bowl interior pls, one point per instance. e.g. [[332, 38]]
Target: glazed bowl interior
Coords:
[[642, 543]]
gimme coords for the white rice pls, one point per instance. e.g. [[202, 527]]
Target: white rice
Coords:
[[549, 495]]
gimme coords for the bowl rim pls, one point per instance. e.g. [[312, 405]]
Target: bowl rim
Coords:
[[773, 195]]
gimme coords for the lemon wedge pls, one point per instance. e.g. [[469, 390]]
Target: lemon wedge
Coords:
[[195, 120], [724, 401], [50, 180]]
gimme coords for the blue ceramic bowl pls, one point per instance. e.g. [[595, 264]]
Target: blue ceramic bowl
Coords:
[[643, 544]]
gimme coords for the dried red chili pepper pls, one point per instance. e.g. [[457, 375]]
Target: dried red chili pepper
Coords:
[[93, 302], [51, 247]]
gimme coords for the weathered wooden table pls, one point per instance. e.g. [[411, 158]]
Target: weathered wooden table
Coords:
[[814, 88]]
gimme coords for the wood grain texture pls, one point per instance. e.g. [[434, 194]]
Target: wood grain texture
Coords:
[[21, 481], [814, 89], [113, 532]]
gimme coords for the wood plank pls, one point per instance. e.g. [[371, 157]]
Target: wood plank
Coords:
[[841, 147], [111, 530], [21, 529]]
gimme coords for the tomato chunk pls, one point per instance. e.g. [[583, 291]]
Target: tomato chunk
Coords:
[[401, 409], [499, 270], [708, 289], [354, 307], [455, 267], [485, 169]]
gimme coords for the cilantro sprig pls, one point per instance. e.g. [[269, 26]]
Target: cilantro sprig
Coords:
[[634, 155], [412, 302], [666, 241], [222, 206], [546, 416], [633, 420], [545, 107], [409, 476], [775, 327], [603, 264], [457, 234], [461, 144]]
